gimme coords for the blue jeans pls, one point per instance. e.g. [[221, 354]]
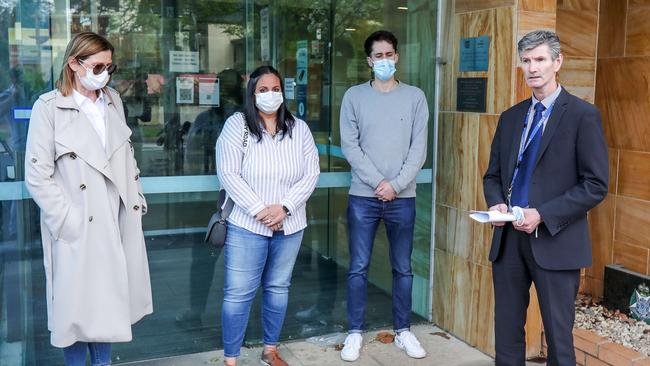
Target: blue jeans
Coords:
[[364, 214], [251, 259], [75, 354]]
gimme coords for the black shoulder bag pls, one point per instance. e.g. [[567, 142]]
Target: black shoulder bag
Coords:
[[216, 235]]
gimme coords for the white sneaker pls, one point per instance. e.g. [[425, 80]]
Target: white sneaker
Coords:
[[406, 341], [352, 345]]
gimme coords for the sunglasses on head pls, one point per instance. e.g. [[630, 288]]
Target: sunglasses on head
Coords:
[[99, 68]]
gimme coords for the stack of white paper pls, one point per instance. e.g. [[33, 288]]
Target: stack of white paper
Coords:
[[492, 216]]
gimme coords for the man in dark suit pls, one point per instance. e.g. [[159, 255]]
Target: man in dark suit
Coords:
[[548, 157]]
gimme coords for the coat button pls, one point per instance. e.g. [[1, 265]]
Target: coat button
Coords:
[[136, 207], [82, 186], [73, 156], [34, 160], [90, 219], [137, 177]]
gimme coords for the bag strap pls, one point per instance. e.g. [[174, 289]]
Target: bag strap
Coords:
[[227, 209], [246, 134]]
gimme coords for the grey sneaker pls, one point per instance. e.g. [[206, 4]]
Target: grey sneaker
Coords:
[[309, 313]]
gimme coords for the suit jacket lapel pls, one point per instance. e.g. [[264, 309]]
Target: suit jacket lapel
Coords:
[[516, 138], [553, 122]]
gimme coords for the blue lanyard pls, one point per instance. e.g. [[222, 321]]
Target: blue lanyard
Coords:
[[525, 142]]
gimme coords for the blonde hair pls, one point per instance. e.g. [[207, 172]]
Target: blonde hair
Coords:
[[82, 46]]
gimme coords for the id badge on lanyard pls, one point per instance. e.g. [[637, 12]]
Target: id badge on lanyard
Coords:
[[524, 142]]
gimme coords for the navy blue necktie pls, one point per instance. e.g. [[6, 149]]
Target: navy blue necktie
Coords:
[[521, 184]]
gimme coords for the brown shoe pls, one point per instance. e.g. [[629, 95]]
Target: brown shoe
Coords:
[[272, 358]]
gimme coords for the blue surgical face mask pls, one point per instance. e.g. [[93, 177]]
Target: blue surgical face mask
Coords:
[[384, 69]]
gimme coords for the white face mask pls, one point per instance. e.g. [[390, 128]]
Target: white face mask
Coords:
[[268, 102], [91, 81]]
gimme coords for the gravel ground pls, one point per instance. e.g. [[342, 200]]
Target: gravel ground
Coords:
[[612, 324]]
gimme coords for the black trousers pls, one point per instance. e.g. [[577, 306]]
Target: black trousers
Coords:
[[512, 274]]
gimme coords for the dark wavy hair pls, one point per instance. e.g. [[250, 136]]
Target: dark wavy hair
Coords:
[[378, 36], [253, 120]]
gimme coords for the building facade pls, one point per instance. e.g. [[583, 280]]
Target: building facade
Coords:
[[182, 71]]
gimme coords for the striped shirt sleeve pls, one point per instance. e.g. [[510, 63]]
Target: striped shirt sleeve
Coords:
[[299, 193], [230, 153]]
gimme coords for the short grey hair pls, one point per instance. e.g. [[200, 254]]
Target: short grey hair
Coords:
[[537, 38]]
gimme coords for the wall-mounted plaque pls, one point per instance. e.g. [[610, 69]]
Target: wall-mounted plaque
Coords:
[[474, 53], [470, 94]]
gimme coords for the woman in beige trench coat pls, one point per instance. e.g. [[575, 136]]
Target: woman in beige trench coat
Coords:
[[81, 171]]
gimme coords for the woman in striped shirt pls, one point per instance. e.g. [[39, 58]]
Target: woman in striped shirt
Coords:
[[268, 163]]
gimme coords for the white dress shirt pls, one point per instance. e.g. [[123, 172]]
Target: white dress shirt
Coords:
[[95, 112], [547, 102], [270, 171]]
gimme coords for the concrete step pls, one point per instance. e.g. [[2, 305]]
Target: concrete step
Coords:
[[442, 349]]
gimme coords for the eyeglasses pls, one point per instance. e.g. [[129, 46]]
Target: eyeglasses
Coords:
[[99, 68]]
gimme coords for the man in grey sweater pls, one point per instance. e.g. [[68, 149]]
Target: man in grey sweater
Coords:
[[384, 138]]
